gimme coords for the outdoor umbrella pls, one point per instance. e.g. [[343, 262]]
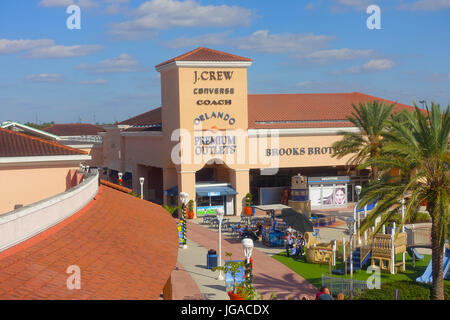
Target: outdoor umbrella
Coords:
[[296, 220]]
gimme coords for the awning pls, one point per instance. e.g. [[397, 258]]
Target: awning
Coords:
[[172, 191], [212, 191]]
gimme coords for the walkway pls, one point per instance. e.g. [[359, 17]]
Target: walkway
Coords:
[[269, 275]]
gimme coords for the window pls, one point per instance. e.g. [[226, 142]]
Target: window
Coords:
[[203, 201]]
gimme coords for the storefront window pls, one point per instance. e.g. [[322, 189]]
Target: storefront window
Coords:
[[203, 201], [217, 201]]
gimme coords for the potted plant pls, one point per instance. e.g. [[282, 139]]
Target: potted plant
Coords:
[[171, 209], [239, 291], [190, 208], [248, 204]]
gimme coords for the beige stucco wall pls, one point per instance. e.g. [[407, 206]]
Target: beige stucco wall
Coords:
[[27, 184], [96, 152], [181, 110]]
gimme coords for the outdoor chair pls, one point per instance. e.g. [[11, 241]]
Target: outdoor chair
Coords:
[[316, 233], [206, 219]]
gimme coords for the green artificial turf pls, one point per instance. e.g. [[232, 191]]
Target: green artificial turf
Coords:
[[313, 272]]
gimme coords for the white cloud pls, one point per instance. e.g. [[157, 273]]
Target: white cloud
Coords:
[[371, 66], [84, 4], [94, 82], [44, 77], [121, 64], [155, 15], [15, 46], [427, 5], [260, 41], [60, 51], [45, 48], [55, 3], [332, 55]]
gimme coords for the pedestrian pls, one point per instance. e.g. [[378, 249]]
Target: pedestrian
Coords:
[[299, 246], [289, 243], [318, 294], [341, 296], [326, 295], [302, 245]]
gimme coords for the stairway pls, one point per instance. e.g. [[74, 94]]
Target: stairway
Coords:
[[356, 257]]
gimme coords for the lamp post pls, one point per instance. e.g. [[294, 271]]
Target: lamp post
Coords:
[[184, 200], [358, 192], [248, 245], [120, 177], [219, 215], [141, 181], [350, 226]]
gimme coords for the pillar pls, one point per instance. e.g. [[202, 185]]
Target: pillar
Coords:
[[186, 183], [170, 179], [240, 181]]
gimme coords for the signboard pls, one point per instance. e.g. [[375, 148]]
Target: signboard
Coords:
[[213, 194], [201, 211]]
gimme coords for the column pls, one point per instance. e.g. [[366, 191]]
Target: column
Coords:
[[240, 181], [186, 183]]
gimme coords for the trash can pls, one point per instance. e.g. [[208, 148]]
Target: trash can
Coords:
[[211, 259]]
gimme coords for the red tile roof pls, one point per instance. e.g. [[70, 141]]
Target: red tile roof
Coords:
[[303, 110], [151, 117], [125, 247], [74, 129], [316, 110], [205, 54], [16, 144]]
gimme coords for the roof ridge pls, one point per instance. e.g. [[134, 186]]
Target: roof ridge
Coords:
[[55, 144], [184, 56]]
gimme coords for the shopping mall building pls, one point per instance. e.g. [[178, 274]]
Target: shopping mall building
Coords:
[[214, 141]]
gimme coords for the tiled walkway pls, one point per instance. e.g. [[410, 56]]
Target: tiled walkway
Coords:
[[270, 276]]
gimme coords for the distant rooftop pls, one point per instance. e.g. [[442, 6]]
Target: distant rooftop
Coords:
[[74, 129], [15, 144]]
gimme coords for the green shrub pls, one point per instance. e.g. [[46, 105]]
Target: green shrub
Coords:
[[409, 290]]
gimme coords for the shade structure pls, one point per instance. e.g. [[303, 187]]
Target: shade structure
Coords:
[[296, 220]]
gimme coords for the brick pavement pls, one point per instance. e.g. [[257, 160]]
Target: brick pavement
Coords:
[[269, 276]]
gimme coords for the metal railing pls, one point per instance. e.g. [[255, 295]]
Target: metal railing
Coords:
[[338, 285]]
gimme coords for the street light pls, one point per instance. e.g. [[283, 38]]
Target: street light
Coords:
[[141, 181], [219, 216], [351, 226], [248, 246], [184, 200], [120, 177]]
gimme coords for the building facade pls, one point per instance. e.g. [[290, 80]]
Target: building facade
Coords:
[[213, 140]]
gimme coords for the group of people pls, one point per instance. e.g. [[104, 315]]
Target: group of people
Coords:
[[299, 242], [324, 294]]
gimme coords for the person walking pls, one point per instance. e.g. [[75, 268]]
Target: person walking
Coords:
[[289, 243], [299, 246]]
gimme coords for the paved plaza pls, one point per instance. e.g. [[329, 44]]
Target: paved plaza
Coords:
[[192, 280]]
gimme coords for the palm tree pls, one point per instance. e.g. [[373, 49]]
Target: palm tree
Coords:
[[418, 148], [372, 120]]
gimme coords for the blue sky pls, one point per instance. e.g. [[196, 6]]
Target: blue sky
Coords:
[[104, 72]]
